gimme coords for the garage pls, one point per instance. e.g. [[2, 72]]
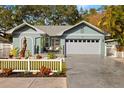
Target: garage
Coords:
[[83, 46], [83, 38]]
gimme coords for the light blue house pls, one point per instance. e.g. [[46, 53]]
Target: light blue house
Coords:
[[82, 38]]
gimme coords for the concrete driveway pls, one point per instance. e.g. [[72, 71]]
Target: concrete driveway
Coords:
[[94, 71]]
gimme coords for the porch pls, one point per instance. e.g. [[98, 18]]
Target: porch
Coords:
[[52, 44]]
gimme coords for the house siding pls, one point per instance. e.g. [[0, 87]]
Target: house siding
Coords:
[[30, 34]]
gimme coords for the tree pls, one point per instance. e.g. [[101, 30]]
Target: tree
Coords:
[[94, 19], [93, 16], [65, 14], [113, 22], [11, 16], [92, 11]]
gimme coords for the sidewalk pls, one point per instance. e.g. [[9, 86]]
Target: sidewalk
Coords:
[[48, 82]]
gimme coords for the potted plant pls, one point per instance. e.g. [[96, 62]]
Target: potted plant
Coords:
[[10, 56], [13, 52]]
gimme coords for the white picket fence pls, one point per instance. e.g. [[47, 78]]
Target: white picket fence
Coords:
[[31, 65]]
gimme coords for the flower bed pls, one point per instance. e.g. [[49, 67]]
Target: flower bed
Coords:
[[43, 72], [29, 74]]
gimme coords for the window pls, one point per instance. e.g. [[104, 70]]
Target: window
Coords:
[[97, 41], [75, 40], [57, 40], [79, 40], [67, 40], [71, 40], [88, 41], [56, 43], [93, 41], [84, 40]]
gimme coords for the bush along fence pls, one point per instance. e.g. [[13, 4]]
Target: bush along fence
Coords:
[[31, 65]]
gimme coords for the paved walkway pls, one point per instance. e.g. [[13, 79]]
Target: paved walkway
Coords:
[[94, 71], [33, 82]]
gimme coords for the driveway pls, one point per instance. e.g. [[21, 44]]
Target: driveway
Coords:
[[87, 71]]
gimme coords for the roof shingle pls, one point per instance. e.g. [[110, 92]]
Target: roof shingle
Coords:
[[53, 30]]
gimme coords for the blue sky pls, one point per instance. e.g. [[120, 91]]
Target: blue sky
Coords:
[[88, 6]]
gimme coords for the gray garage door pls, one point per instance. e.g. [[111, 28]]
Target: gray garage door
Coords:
[[85, 46]]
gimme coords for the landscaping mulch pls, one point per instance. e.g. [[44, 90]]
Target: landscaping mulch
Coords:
[[29, 74]]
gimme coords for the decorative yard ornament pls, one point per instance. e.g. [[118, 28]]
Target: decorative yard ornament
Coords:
[[23, 50], [25, 43]]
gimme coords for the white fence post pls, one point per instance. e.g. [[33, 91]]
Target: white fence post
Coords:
[[60, 64], [28, 64]]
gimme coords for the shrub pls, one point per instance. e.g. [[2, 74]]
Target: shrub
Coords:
[[7, 71], [44, 71], [38, 56], [26, 73], [28, 54], [57, 73], [51, 56], [14, 52]]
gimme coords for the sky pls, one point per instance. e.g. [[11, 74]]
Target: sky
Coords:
[[87, 7]]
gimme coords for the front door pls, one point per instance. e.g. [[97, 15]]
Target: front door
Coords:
[[37, 45]]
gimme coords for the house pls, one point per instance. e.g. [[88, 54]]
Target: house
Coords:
[[4, 47], [81, 38]]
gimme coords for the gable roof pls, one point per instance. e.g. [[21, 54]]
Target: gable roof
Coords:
[[55, 30], [86, 23], [59, 30], [22, 25], [3, 40]]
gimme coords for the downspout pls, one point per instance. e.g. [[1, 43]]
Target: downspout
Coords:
[[65, 55]]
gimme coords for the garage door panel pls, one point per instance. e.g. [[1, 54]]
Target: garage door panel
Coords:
[[87, 47]]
